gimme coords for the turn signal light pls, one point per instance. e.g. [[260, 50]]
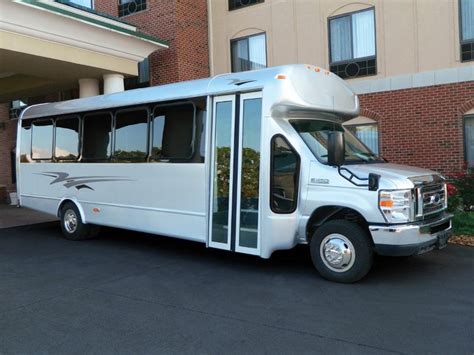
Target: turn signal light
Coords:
[[386, 203]]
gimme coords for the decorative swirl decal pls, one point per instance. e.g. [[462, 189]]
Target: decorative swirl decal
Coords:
[[79, 182]]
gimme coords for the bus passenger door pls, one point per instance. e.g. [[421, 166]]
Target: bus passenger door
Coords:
[[235, 173]]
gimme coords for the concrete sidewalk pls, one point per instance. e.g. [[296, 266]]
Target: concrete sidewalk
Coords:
[[12, 216]]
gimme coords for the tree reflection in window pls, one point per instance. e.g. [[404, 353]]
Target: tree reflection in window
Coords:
[[284, 176]]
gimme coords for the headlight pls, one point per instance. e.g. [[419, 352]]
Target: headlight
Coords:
[[397, 206]]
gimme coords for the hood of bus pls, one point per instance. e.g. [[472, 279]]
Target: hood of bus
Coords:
[[394, 176]]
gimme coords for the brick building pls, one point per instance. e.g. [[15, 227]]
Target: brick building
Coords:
[[182, 23], [179, 24], [410, 61]]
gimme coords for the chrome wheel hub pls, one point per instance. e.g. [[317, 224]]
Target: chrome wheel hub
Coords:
[[337, 252], [70, 221]]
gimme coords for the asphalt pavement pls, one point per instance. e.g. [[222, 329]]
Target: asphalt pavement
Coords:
[[133, 293]]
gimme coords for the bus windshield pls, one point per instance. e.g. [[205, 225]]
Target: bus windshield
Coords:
[[314, 133]]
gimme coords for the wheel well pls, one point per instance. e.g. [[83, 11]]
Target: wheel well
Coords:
[[329, 213], [63, 202]]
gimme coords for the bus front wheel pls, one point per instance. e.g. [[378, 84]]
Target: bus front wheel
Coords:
[[72, 225], [341, 251]]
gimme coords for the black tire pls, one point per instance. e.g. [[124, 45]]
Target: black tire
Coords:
[[72, 226], [353, 265]]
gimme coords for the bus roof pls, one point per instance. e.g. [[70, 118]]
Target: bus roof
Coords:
[[316, 90]]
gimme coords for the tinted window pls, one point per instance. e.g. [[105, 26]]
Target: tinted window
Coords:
[[97, 139], [42, 141], [250, 173], [67, 138], [131, 132], [284, 176], [173, 130], [221, 179], [25, 148]]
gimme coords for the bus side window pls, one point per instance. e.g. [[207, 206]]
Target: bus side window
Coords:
[[285, 166], [42, 141], [25, 148], [97, 136], [131, 131], [173, 128], [67, 139]]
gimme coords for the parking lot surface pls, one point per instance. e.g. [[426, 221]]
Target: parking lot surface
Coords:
[[128, 292]]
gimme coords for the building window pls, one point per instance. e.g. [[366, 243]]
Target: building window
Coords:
[[352, 44], [78, 3], [467, 29], [469, 140], [143, 78], [237, 4], [367, 134], [249, 53], [128, 7], [366, 130]]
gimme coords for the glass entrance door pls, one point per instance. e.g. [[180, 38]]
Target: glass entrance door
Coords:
[[235, 173]]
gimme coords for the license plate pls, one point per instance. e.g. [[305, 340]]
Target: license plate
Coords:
[[443, 238]]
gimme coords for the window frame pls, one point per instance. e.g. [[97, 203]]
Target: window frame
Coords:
[[148, 136], [464, 136], [264, 33], [120, 4], [112, 128], [352, 60], [79, 140], [298, 170], [230, 8], [461, 40], [53, 141], [153, 158]]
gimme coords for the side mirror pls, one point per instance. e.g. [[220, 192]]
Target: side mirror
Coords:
[[336, 152], [374, 182]]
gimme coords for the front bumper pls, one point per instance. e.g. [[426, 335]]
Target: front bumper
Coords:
[[411, 239]]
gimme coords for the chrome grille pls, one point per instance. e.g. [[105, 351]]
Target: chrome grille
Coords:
[[432, 198]]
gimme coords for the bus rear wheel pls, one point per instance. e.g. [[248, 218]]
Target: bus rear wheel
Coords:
[[73, 227], [341, 251]]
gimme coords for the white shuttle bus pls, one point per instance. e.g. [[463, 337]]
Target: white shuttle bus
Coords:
[[249, 162]]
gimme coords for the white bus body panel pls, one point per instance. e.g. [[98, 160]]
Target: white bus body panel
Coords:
[[159, 198]]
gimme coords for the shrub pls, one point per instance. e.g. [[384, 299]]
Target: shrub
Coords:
[[461, 191]]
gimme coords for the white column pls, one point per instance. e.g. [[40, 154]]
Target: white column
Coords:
[[113, 83], [88, 87]]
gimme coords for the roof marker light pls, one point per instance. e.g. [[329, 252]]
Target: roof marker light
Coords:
[[280, 77]]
